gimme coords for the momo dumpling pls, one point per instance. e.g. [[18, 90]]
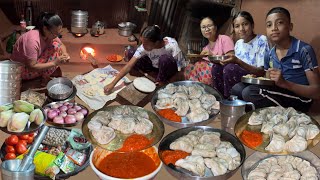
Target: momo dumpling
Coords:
[[205, 146], [198, 115], [312, 131], [183, 89], [303, 119], [274, 175], [195, 91], [256, 119], [216, 167], [164, 103], [94, 125], [207, 101], [210, 138], [182, 106], [267, 127], [164, 95], [276, 144], [296, 144], [181, 145], [181, 95], [204, 153], [104, 135], [279, 118], [144, 126], [194, 104], [282, 129], [125, 124], [194, 164]]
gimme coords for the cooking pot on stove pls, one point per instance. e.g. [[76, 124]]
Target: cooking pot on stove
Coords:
[[126, 28]]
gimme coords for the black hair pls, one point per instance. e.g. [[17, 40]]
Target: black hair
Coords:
[[48, 20], [279, 10], [208, 18], [245, 15], [152, 33]]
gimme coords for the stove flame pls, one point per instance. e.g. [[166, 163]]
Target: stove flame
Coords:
[[86, 51]]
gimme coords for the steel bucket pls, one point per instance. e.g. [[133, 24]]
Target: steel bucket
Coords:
[[9, 170]]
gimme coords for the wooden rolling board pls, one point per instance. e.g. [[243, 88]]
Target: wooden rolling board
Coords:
[[131, 96]]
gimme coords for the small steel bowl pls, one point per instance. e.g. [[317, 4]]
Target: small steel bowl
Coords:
[[61, 83], [225, 136], [218, 58]]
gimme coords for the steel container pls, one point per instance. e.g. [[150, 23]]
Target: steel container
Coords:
[[10, 81], [61, 81], [9, 170], [79, 22], [126, 28]]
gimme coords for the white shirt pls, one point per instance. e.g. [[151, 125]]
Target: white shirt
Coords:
[[171, 48]]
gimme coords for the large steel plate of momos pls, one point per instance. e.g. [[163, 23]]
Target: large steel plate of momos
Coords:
[[210, 153], [280, 130], [194, 103], [110, 126]]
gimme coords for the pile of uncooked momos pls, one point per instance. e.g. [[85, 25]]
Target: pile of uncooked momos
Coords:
[[284, 167], [190, 101], [288, 129], [123, 119], [207, 150]]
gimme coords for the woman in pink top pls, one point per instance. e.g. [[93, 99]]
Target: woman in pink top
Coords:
[[40, 50], [218, 45]]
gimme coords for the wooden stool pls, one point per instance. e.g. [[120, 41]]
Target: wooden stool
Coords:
[[131, 96]]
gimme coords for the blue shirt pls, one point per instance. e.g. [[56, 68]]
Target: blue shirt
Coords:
[[299, 58], [252, 52]]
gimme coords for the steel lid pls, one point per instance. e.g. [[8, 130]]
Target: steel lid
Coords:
[[9, 63], [233, 101]]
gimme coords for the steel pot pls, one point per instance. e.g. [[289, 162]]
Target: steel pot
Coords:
[[126, 28], [60, 84], [231, 110]]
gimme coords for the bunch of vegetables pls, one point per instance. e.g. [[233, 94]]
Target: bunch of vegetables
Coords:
[[16, 145], [65, 113], [15, 116]]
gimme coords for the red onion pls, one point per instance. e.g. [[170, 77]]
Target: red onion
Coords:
[[79, 116], [83, 111], [63, 108], [52, 114], [71, 111], [58, 120], [63, 114], [55, 109], [70, 119], [70, 106], [55, 106], [77, 107], [66, 103]]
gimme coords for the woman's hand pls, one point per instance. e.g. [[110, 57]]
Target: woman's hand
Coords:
[[61, 59], [205, 52], [276, 76], [108, 88], [232, 59]]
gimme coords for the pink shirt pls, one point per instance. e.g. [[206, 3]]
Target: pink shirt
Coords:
[[29, 47], [222, 45]]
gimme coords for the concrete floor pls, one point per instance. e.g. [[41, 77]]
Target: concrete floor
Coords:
[[77, 66]]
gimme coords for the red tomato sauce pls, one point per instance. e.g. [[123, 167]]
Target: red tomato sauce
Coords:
[[127, 165]]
